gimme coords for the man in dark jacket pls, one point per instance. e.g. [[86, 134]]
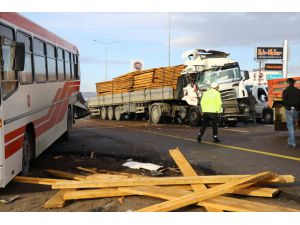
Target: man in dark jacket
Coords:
[[252, 102], [291, 102]]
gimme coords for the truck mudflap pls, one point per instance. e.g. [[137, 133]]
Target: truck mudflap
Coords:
[[80, 107]]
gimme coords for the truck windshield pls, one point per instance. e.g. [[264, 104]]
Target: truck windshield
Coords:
[[220, 76]]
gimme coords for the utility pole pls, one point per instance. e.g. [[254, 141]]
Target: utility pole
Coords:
[[169, 51], [105, 47], [285, 59]]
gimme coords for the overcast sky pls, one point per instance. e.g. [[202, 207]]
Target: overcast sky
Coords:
[[145, 36]]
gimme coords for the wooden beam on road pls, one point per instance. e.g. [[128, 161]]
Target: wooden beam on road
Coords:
[[210, 193], [220, 202], [187, 170], [57, 200], [95, 193], [142, 181], [37, 180], [64, 174]]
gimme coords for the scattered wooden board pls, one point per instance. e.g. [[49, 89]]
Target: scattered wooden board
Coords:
[[57, 200], [37, 180], [67, 175], [212, 192]]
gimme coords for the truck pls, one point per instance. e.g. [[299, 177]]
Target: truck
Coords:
[[177, 98], [262, 110], [275, 90]]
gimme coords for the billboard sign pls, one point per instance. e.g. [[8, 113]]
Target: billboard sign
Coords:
[[269, 53], [273, 66]]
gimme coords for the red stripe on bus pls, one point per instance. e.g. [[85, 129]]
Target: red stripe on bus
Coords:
[[44, 118], [13, 147], [30, 26], [11, 135]]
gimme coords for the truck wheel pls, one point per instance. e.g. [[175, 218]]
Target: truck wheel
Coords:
[[110, 113], [103, 113], [155, 114], [194, 116], [118, 113], [28, 151], [268, 117]]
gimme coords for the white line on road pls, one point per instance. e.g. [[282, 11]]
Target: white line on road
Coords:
[[235, 130]]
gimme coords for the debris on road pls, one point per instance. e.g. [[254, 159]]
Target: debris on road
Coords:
[[140, 165], [177, 192], [9, 200]]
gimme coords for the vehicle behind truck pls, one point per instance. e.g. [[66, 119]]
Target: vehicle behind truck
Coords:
[[165, 93], [276, 87]]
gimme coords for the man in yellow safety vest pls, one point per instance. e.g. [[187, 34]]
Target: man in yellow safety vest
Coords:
[[211, 104]]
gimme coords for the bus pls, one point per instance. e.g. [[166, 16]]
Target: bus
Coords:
[[40, 83]]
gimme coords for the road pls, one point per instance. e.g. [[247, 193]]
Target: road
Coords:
[[245, 149]]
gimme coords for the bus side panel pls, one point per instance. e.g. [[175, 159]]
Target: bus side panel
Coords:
[[13, 166]]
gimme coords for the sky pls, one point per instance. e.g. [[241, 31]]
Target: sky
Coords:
[[145, 36]]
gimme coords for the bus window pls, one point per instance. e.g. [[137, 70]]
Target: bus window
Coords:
[[39, 51], [9, 81], [26, 76], [60, 65], [51, 63], [76, 67], [72, 66], [68, 66]]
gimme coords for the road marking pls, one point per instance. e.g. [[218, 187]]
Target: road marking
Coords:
[[235, 130], [226, 146]]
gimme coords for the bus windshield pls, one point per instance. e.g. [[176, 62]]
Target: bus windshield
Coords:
[[206, 78]]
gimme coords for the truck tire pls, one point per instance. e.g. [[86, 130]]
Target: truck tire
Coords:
[[110, 113], [118, 114], [194, 116], [268, 117], [155, 114], [103, 113], [28, 151]]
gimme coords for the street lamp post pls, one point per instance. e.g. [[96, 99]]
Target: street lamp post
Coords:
[[105, 47]]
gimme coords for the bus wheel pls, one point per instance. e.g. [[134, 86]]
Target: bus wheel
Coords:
[[155, 114], [110, 113], [268, 117], [118, 113], [103, 113], [28, 150], [66, 135]]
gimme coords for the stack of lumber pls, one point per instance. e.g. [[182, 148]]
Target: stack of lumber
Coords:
[[177, 192], [138, 80]]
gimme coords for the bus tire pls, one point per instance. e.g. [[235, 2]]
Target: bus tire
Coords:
[[67, 134], [110, 113], [103, 113], [118, 114], [28, 151]]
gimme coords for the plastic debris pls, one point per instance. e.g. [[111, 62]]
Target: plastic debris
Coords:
[[139, 165]]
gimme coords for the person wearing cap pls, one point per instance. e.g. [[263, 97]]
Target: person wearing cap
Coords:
[[211, 105], [291, 102]]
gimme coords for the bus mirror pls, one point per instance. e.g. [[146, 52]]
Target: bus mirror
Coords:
[[245, 74], [19, 56]]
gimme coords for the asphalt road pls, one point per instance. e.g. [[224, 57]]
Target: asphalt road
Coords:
[[245, 149]]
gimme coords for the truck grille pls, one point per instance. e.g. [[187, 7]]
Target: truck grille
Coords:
[[229, 101]]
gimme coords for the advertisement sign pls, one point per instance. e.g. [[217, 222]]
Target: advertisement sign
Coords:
[[274, 66], [137, 65], [269, 53]]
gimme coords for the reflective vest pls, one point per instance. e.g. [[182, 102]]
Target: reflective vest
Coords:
[[211, 101]]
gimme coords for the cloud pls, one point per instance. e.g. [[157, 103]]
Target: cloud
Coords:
[[234, 29]]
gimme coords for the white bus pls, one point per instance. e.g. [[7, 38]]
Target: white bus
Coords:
[[39, 86]]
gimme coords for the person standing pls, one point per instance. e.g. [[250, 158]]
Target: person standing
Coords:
[[211, 104], [252, 102], [291, 102]]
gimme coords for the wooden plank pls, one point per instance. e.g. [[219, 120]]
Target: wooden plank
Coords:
[[254, 191], [37, 180], [221, 203], [93, 171], [187, 170], [67, 175], [57, 200], [155, 181], [210, 193], [95, 193]]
